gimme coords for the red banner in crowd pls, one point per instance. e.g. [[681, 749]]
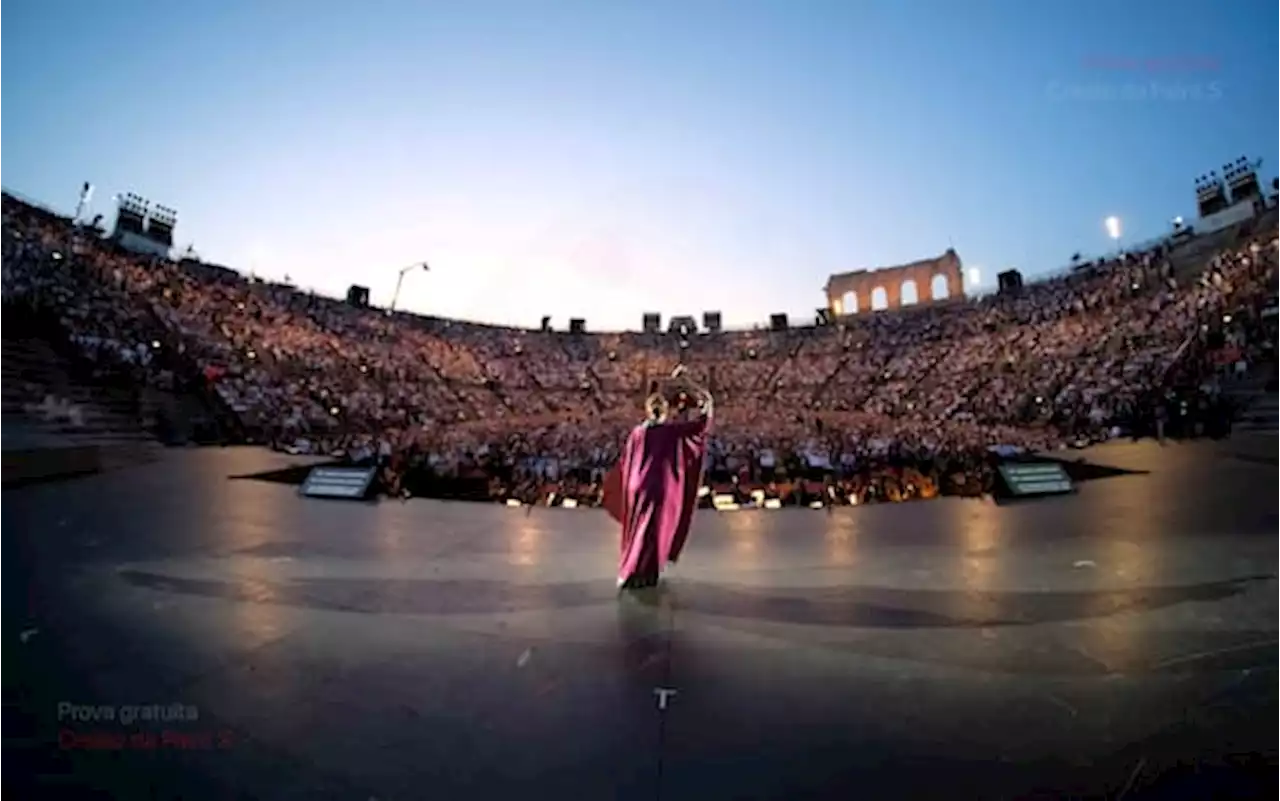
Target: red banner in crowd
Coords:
[[1227, 355]]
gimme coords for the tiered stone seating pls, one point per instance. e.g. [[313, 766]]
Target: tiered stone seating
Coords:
[[44, 407]]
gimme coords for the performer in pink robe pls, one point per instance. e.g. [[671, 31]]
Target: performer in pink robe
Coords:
[[657, 487]]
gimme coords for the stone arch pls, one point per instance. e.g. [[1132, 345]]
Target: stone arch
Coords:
[[894, 287], [879, 299], [849, 302], [908, 294], [939, 287]]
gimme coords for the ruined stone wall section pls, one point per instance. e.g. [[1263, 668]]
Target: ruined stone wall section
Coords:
[[864, 283]]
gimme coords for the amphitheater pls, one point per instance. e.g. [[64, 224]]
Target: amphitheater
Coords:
[[198, 353], [1118, 641]]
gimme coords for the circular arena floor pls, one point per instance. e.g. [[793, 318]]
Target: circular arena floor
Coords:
[[172, 633]]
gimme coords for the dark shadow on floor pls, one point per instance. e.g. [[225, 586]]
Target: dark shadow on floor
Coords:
[[294, 475], [1080, 470], [863, 607]]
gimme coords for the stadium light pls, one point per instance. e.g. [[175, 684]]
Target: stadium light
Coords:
[[1112, 224], [400, 280]]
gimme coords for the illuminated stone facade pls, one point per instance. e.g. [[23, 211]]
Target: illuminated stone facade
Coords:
[[920, 283]]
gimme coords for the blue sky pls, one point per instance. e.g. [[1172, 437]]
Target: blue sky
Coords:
[[601, 159]]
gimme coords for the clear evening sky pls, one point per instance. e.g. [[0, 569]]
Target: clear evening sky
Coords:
[[601, 159]]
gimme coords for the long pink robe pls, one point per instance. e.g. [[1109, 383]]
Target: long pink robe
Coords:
[[657, 491]]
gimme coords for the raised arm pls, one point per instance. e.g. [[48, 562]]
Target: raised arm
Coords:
[[702, 396], [699, 392], [705, 402]]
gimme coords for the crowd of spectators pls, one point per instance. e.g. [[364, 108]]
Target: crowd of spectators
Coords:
[[899, 403]]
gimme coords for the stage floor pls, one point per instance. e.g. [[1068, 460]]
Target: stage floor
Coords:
[[1118, 642]]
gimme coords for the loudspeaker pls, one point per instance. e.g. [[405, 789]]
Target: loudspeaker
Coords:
[[711, 321], [358, 296], [546, 323], [652, 323], [778, 322], [577, 325], [684, 325], [1009, 281]]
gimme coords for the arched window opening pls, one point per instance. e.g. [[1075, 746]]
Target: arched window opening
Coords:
[[908, 295], [939, 288], [879, 299], [849, 302]]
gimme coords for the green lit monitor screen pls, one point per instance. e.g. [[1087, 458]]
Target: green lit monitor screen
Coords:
[[338, 482], [1040, 478]]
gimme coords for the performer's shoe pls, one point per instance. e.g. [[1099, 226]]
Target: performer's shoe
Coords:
[[637, 583]]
